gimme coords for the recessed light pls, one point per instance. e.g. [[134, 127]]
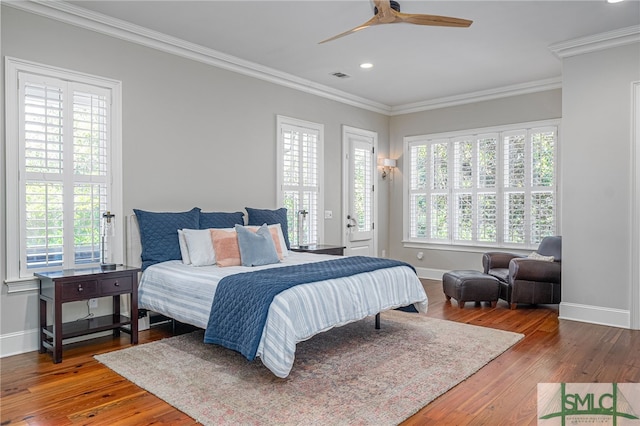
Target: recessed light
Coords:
[[366, 65], [614, 1]]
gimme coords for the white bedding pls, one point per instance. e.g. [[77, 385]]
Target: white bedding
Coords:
[[185, 293]]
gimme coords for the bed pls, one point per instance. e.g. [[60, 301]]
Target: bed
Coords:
[[186, 293]]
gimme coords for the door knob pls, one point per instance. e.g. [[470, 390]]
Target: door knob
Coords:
[[352, 222]]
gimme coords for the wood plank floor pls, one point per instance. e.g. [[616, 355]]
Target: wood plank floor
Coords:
[[80, 390]]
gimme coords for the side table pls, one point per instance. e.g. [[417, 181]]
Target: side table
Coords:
[[320, 249], [71, 285]]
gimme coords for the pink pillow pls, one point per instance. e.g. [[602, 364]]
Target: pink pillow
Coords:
[[275, 235], [276, 241], [225, 245]]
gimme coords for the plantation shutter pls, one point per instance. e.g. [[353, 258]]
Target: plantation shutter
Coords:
[[362, 187], [486, 224], [90, 166], [464, 191], [43, 113], [494, 188], [418, 225], [475, 195], [65, 145], [514, 148], [439, 188], [543, 183], [301, 182]]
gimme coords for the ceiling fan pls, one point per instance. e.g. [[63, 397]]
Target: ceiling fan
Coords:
[[388, 12]]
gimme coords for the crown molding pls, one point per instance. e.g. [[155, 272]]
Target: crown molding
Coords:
[[80, 17], [484, 95], [83, 18], [597, 42]]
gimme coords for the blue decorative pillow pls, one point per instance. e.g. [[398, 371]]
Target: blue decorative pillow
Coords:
[[256, 248], [220, 220], [159, 234], [259, 217]]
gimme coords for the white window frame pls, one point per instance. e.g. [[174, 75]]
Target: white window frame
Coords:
[[450, 243], [283, 122], [16, 280]]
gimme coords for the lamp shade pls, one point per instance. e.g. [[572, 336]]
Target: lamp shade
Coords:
[[388, 162]]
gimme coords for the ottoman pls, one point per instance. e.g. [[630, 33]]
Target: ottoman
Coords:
[[466, 286]]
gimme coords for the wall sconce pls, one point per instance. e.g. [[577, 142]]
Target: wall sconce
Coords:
[[388, 164]]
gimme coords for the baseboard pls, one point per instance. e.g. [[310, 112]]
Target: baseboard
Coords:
[[568, 311], [27, 341], [433, 274], [18, 342], [595, 315]]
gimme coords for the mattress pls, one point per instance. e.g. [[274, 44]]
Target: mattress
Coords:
[[186, 293]]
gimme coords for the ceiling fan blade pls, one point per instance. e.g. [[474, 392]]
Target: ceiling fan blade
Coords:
[[387, 12], [370, 22], [435, 20]]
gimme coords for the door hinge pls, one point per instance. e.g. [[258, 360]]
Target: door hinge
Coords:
[[373, 225], [373, 188], [373, 149]]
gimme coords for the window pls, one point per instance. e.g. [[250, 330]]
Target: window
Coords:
[[63, 145], [492, 187], [300, 178]]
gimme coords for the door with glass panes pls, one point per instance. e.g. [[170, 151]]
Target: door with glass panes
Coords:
[[359, 234]]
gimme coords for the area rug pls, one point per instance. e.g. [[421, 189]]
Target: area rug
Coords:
[[351, 375]]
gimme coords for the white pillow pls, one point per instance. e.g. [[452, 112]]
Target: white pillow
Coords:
[[283, 244], [536, 256], [184, 251], [200, 247]]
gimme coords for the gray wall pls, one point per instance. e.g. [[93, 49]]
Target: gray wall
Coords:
[[193, 134], [198, 135], [515, 109], [596, 173]]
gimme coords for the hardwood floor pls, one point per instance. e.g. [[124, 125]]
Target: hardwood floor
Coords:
[[80, 390]]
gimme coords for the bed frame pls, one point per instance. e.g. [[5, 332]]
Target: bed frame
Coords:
[[133, 250]]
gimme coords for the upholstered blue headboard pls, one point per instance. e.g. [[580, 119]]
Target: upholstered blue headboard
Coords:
[[133, 246]]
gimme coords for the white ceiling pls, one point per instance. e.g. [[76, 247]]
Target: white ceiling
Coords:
[[506, 46]]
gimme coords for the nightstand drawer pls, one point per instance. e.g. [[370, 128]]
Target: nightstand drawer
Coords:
[[79, 290], [115, 285]]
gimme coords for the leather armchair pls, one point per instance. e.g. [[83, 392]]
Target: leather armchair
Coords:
[[526, 280]]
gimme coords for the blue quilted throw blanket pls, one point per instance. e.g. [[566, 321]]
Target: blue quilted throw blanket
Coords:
[[241, 303]]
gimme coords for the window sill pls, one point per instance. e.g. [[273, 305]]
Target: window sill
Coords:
[[465, 248], [19, 285]]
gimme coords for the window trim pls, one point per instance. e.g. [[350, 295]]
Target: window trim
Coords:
[[282, 121], [469, 246], [14, 66]]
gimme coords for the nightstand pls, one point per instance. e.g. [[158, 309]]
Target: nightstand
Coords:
[[60, 287], [320, 249]]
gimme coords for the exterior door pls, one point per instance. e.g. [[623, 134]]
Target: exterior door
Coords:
[[360, 201]]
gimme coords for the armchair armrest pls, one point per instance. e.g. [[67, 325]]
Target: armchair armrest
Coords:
[[497, 260], [534, 270]]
